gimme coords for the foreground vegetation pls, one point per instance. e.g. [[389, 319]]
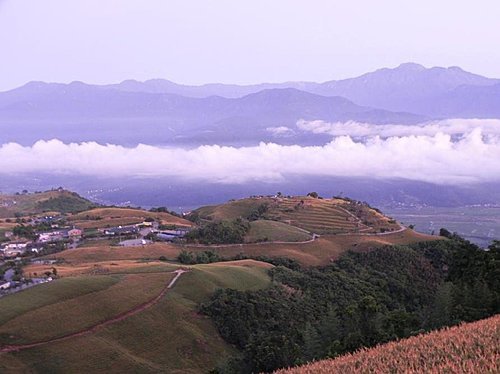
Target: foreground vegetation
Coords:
[[468, 348], [361, 300]]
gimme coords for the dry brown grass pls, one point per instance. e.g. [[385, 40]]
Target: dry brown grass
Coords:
[[245, 263], [103, 267], [110, 217], [469, 348], [113, 253], [323, 250], [75, 314], [319, 252]]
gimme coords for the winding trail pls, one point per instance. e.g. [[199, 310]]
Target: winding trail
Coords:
[[92, 329]]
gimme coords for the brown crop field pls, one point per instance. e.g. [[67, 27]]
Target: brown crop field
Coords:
[[113, 253], [468, 348], [79, 312], [168, 337], [109, 217], [67, 269]]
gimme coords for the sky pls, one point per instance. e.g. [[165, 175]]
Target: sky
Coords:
[[227, 41]]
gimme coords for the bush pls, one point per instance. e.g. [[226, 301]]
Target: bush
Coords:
[[222, 232]]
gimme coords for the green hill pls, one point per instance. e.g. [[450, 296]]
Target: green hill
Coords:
[[316, 215], [170, 336], [57, 201]]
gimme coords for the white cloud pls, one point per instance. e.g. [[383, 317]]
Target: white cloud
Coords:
[[359, 129], [280, 131], [430, 155]]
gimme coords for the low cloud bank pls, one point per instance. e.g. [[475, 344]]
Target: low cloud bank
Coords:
[[435, 152], [359, 129]]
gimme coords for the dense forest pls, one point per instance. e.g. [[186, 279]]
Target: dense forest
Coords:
[[359, 301]]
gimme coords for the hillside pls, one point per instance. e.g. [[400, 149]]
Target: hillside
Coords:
[[315, 215], [312, 278], [109, 217], [468, 348], [136, 343], [44, 111], [59, 201]]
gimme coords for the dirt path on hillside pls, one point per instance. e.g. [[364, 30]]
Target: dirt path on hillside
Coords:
[[92, 329]]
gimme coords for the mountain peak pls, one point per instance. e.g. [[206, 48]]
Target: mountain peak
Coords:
[[411, 66]]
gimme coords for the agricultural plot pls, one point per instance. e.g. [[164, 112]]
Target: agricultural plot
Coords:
[[169, 337], [110, 217], [81, 311], [330, 216], [273, 231], [469, 348]]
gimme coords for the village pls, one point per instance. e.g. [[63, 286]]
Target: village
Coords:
[[39, 236]]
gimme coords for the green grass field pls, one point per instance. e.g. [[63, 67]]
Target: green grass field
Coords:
[[265, 230], [232, 210], [168, 337], [65, 316]]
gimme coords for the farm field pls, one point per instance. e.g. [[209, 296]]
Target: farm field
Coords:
[[79, 311], [468, 348], [67, 269], [109, 217], [114, 253], [273, 231], [320, 216], [168, 337], [321, 251], [479, 224]]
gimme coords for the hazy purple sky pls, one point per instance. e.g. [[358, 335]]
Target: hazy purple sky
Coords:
[[187, 41]]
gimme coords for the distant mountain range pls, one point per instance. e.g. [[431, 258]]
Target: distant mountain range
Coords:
[[165, 112]]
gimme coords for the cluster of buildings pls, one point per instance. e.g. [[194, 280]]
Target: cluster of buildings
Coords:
[[20, 247]]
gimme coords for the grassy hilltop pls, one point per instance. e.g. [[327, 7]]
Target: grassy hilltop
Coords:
[[57, 201], [167, 337]]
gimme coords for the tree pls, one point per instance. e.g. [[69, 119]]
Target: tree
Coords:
[[313, 195]]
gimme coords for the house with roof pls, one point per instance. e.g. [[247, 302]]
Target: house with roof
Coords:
[[13, 249], [121, 230]]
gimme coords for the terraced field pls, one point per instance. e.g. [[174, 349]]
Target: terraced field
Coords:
[[319, 216], [329, 216]]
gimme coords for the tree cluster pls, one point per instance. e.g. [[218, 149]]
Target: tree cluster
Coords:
[[361, 300]]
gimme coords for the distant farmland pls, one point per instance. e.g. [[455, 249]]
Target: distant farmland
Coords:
[[478, 224]]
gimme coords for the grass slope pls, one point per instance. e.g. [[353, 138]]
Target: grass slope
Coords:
[[81, 311], [168, 337], [468, 348], [321, 216], [264, 230], [108, 217]]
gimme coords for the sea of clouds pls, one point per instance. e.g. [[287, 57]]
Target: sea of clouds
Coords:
[[444, 152]]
